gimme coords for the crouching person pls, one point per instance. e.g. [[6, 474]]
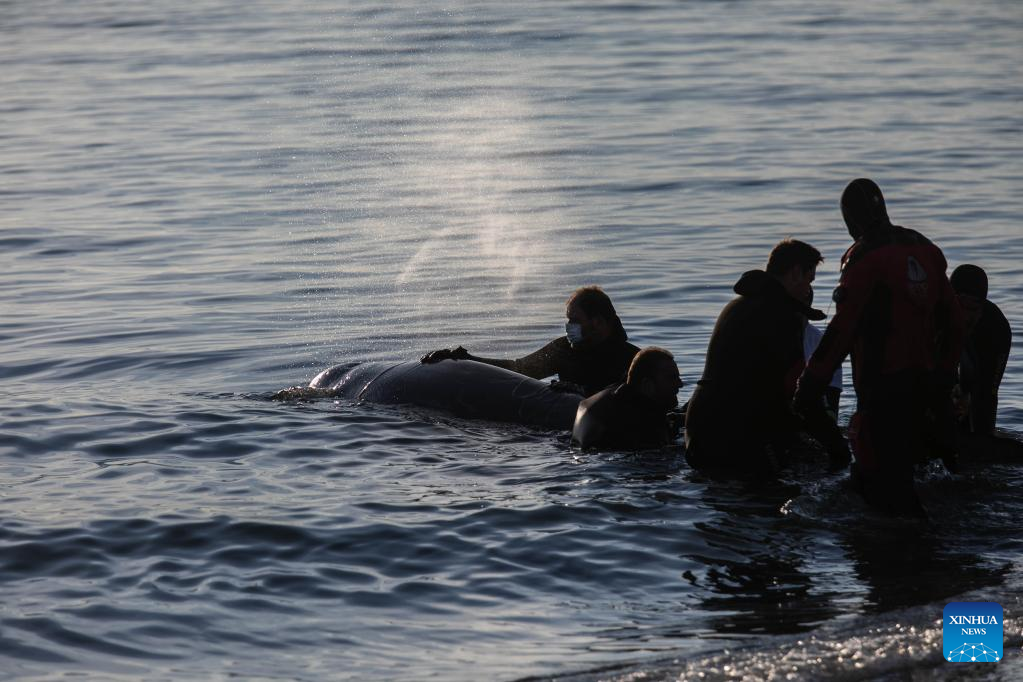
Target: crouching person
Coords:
[[633, 415]]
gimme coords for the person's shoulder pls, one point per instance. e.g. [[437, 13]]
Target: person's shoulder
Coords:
[[993, 317], [859, 250], [739, 302], [591, 421], [617, 350], [915, 239], [559, 345], [877, 249], [552, 356], [600, 399], [991, 308], [905, 235]]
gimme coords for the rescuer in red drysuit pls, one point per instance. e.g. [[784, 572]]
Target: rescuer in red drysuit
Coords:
[[898, 316]]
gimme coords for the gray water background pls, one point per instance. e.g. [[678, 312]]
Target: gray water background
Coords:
[[202, 204]]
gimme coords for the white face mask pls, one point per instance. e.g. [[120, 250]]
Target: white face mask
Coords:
[[574, 332]]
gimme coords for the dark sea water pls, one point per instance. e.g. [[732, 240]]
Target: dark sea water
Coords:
[[202, 203]]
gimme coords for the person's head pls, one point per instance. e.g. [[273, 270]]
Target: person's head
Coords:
[[863, 208], [794, 264], [970, 284], [591, 317], [654, 373]]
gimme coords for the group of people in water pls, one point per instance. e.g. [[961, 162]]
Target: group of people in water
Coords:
[[928, 354]]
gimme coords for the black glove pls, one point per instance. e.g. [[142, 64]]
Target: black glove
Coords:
[[458, 353], [808, 404], [818, 424], [809, 396]]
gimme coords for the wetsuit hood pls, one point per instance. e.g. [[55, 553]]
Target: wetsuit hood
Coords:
[[863, 208], [970, 280], [760, 283]]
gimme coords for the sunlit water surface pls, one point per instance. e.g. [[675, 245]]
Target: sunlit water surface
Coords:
[[207, 202]]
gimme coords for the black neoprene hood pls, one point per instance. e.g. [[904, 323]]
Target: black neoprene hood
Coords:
[[863, 207], [969, 279]]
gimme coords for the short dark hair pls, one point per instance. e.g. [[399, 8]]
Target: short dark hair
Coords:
[[791, 252], [647, 363], [595, 303]]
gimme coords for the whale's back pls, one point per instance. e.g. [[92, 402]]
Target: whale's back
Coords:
[[463, 388]]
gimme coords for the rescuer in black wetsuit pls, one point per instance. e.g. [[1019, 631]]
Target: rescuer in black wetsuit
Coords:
[[632, 415], [985, 351], [897, 315], [594, 353], [738, 421]]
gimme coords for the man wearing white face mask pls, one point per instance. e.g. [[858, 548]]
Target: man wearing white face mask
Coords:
[[593, 354]]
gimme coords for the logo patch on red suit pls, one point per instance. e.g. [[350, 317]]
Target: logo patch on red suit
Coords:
[[916, 281]]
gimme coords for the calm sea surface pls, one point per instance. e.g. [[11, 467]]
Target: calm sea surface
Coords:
[[202, 203]]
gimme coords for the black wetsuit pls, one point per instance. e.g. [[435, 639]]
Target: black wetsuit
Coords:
[[621, 417], [981, 367], [590, 367], [739, 413]]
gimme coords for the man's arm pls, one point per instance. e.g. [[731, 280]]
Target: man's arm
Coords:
[[951, 324], [1003, 346], [993, 340], [538, 364], [851, 297], [589, 428], [950, 330]]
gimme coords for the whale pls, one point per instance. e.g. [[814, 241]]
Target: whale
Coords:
[[461, 388]]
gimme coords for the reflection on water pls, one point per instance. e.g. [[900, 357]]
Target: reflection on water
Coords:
[[909, 566], [756, 571]]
